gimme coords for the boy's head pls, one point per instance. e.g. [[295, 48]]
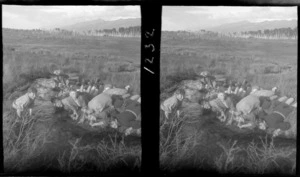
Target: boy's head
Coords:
[[56, 102], [32, 92], [117, 101], [73, 94], [114, 124], [265, 103], [222, 96], [262, 125], [179, 94]]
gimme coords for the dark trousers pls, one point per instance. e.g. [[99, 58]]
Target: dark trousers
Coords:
[[127, 119]]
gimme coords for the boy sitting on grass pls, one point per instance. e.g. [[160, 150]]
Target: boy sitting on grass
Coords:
[[25, 102]]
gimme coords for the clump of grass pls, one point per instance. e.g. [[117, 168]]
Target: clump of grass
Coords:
[[100, 157], [175, 146], [225, 160], [260, 158], [21, 143], [263, 159]]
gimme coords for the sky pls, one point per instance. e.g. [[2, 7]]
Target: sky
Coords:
[[33, 17], [201, 17]]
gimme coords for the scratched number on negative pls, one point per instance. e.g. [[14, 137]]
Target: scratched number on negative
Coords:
[[150, 61], [149, 70], [150, 34], [150, 45]]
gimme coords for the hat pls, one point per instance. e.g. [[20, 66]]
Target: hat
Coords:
[[107, 86], [32, 89], [127, 87], [57, 72], [255, 88], [274, 89], [179, 91], [204, 73]]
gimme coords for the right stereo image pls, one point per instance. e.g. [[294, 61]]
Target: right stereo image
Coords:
[[228, 89]]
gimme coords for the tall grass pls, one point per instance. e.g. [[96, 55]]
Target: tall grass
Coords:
[[27, 140], [109, 59], [21, 142], [175, 146], [99, 157], [181, 150], [259, 159], [21, 69]]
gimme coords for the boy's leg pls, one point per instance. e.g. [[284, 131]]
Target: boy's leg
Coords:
[[166, 114], [135, 124], [19, 112]]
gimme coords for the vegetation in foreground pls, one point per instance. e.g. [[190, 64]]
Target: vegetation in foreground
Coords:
[[31, 144], [200, 143]]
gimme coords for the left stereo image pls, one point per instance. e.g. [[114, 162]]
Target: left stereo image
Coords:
[[71, 89]]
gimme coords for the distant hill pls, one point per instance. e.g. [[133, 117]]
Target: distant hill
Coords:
[[252, 26], [100, 24]]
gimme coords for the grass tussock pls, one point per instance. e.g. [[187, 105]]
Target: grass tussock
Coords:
[[22, 144], [100, 157], [256, 159], [182, 147]]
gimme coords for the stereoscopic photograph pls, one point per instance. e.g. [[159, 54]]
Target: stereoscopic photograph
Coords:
[[228, 85], [71, 89]]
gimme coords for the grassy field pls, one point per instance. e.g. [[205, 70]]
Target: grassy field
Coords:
[[49, 141], [114, 60], [267, 63], [199, 142]]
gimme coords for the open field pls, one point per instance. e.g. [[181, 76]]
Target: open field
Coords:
[[197, 140], [49, 141], [114, 60], [267, 63]]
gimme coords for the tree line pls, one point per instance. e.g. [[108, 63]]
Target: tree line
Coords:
[[132, 31], [277, 33]]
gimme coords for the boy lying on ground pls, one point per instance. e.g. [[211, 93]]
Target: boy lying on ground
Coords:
[[246, 108], [129, 119], [221, 106], [275, 122]]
